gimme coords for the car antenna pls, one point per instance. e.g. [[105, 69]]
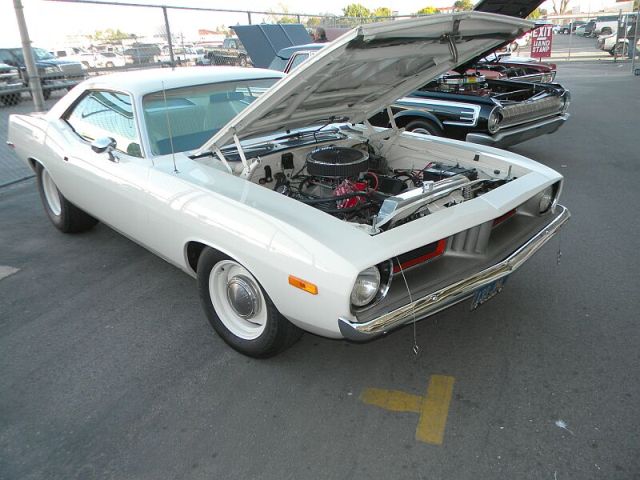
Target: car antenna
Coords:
[[166, 111]]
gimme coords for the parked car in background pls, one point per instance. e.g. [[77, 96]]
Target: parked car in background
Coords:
[[101, 60], [506, 66], [291, 212], [477, 103], [589, 28], [183, 55], [581, 31], [232, 52], [571, 27], [618, 42], [55, 73], [142, 54], [10, 85], [605, 25]]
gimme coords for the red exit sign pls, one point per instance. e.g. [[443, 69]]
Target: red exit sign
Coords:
[[541, 41]]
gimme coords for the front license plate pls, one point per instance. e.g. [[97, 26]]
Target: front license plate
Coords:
[[487, 292]]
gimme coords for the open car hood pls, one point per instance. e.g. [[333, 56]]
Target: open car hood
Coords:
[[367, 69]]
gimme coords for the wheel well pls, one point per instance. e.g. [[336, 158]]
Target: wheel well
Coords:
[[405, 120], [194, 250], [33, 163]]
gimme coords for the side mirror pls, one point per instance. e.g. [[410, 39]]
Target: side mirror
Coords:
[[105, 145]]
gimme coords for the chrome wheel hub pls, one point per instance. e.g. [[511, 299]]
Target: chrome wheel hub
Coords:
[[242, 296], [237, 299]]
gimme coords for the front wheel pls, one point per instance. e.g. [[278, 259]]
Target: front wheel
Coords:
[[239, 309], [65, 216], [423, 127]]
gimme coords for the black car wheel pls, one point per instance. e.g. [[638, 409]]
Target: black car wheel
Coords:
[[424, 127], [243, 61]]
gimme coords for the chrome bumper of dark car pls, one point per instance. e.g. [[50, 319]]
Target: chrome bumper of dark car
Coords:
[[512, 136], [456, 292]]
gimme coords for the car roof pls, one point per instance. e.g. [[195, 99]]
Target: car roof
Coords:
[[288, 51], [141, 82]]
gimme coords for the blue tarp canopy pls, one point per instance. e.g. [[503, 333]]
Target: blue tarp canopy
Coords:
[[263, 41]]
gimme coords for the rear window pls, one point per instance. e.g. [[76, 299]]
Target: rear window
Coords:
[[183, 119]]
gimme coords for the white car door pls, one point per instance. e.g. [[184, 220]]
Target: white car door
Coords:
[[110, 187]]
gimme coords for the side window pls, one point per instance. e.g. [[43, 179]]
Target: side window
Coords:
[[106, 114], [298, 58]]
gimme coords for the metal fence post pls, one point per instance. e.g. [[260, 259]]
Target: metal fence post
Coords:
[[249, 17], [633, 42], [32, 71], [169, 41]]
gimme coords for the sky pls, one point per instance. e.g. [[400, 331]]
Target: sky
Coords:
[[50, 22]]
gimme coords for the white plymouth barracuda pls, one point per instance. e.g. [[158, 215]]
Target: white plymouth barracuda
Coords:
[[289, 208]]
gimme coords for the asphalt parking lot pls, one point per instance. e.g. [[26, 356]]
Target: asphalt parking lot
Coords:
[[110, 369]]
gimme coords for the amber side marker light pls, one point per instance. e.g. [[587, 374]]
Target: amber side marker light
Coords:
[[303, 285]]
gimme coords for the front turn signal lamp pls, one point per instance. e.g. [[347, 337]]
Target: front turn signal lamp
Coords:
[[308, 287]]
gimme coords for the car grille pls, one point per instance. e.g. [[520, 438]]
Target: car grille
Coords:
[[472, 241], [529, 111]]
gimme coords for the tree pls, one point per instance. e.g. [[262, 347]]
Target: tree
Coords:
[[382, 12], [464, 5], [560, 6], [314, 22], [111, 36], [275, 18], [428, 11], [536, 14], [356, 10]]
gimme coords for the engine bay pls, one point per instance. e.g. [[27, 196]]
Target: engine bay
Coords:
[[359, 185], [478, 85]]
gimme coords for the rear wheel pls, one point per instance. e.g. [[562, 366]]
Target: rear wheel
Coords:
[[239, 309], [65, 216], [424, 127]]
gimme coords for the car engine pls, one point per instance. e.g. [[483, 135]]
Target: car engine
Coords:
[[464, 84], [357, 185]]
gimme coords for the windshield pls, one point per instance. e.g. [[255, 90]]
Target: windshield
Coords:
[[192, 115], [38, 54]]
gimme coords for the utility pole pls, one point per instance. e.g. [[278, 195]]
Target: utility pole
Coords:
[[27, 53], [169, 41]]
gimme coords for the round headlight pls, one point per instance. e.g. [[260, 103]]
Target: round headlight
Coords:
[[366, 287], [546, 200], [495, 117]]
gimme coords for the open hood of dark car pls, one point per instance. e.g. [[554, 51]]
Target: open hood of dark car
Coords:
[[517, 8], [512, 8]]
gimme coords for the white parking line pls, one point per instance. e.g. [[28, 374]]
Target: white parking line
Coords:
[[6, 271]]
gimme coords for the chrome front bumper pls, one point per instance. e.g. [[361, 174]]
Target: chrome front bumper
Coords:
[[513, 135], [454, 293]]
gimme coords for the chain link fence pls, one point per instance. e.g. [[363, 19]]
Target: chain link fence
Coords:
[[96, 38]]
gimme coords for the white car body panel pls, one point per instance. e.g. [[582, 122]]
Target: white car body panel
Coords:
[[164, 207]]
